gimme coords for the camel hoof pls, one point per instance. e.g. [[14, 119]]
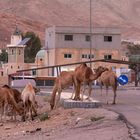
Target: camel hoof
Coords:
[[77, 98]]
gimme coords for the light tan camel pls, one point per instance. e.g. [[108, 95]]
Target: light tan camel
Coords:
[[85, 75], [109, 78], [63, 81], [28, 97], [7, 98]]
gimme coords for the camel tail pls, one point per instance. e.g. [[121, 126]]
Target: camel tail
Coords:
[[53, 96]]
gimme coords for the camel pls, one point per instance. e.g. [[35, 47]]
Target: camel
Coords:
[[17, 97], [109, 78], [7, 98], [28, 98], [66, 79], [63, 81], [85, 75]]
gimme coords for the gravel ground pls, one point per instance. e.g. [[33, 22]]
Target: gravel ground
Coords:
[[66, 124]]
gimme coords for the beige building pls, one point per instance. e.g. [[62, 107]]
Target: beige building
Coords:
[[64, 45], [73, 44]]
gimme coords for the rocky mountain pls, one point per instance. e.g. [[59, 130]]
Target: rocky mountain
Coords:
[[36, 15]]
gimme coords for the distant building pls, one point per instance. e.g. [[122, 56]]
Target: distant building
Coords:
[[72, 44], [63, 45], [16, 59]]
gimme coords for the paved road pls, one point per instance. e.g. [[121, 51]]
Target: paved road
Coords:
[[128, 104]]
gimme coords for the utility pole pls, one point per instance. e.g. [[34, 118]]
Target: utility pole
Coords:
[[90, 30]]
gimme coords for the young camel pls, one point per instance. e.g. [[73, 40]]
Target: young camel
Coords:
[[64, 80], [7, 98], [28, 98], [85, 75], [109, 78]]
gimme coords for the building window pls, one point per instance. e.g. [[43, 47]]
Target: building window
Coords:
[[2, 73], [18, 67], [107, 38], [33, 72], [84, 55], [87, 56], [68, 55], [11, 67], [68, 37], [12, 51], [92, 56], [87, 37], [19, 52], [108, 57]]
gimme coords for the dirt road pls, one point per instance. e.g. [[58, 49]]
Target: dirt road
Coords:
[[67, 124]]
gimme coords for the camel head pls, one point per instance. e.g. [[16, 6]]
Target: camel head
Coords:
[[100, 70], [36, 89], [52, 106]]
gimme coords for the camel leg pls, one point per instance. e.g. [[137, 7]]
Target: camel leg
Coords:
[[24, 112], [107, 94], [72, 95], [5, 109], [74, 88], [89, 90], [83, 89], [73, 92], [114, 100], [31, 112], [77, 95], [2, 110], [53, 96], [58, 99], [34, 110], [101, 87]]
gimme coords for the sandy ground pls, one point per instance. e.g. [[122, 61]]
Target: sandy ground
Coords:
[[67, 124]]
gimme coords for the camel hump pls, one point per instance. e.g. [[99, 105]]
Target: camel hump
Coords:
[[84, 64], [88, 73], [6, 86]]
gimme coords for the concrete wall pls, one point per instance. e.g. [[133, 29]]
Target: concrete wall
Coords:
[[56, 35]]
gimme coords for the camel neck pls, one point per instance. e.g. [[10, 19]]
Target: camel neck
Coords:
[[94, 76]]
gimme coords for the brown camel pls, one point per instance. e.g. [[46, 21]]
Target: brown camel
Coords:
[[63, 81], [85, 75], [17, 97], [109, 78], [6, 98]]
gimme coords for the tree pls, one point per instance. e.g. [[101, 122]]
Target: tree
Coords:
[[4, 56], [134, 57], [33, 46]]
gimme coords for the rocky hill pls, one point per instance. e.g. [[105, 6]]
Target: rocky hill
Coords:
[[36, 15]]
